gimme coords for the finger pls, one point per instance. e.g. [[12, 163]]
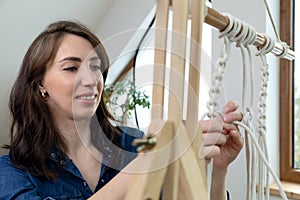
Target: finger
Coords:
[[214, 139], [233, 116], [230, 106], [229, 127], [213, 125], [211, 151], [237, 138]]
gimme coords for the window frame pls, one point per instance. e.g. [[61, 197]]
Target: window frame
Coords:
[[287, 172]]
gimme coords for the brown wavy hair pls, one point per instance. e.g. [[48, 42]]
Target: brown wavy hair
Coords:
[[33, 130]]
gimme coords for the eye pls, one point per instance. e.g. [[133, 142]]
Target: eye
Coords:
[[71, 69], [95, 67]]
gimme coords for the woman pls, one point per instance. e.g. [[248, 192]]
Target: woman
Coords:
[[63, 145]]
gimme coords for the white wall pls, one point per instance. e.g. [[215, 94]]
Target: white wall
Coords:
[[122, 29]]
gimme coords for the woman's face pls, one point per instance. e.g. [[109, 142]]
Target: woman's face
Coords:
[[73, 80]]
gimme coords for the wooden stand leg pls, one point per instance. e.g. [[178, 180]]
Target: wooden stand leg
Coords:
[[148, 180], [161, 174]]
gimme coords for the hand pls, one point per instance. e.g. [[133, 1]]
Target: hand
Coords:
[[222, 139]]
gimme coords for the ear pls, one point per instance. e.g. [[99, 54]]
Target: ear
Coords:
[[42, 89]]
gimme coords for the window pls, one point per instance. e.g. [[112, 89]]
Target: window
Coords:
[[289, 96], [296, 98], [144, 68]]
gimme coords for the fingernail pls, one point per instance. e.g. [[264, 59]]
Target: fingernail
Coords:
[[235, 103], [225, 110]]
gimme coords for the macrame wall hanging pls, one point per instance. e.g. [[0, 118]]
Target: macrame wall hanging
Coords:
[[168, 165]]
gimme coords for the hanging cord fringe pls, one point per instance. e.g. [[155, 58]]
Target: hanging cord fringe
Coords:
[[244, 35], [262, 106], [214, 94]]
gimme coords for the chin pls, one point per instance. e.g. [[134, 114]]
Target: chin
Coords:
[[83, 115]]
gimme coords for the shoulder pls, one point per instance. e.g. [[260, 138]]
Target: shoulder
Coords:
[[8, 170], [4, 159], [131, 132], [13, 181], [5, 163], [128, 134]]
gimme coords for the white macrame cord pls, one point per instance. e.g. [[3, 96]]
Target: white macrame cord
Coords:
[[255, 138]]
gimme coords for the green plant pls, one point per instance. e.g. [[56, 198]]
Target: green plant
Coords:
[[124, 96]]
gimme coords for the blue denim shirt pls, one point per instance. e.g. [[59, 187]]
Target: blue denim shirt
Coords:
[[18, 184]]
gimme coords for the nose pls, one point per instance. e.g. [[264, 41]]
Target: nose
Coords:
[[88, 77]]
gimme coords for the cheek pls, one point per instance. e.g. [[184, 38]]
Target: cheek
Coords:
[[59, 88], [100, 85]]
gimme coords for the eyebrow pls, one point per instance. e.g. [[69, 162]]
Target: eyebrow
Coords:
[[77, 59], [94, 58], [71, 58]]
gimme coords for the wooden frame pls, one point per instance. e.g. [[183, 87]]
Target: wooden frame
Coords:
[[183, 177], [287, 173]]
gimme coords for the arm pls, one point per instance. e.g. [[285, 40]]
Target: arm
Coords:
[[223, 142], [114, 189]]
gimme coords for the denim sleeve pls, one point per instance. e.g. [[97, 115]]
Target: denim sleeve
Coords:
[[15, 183], [128, 135]]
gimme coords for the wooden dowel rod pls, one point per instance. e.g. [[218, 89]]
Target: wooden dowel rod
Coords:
[[216, 19], [219, 21]]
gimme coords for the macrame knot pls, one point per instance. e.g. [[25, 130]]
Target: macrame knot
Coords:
[[218, 77], [248, 115], [212, 108], [215, 90], [222, 61]]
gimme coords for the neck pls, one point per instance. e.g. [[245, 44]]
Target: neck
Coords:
[[75, 134]]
